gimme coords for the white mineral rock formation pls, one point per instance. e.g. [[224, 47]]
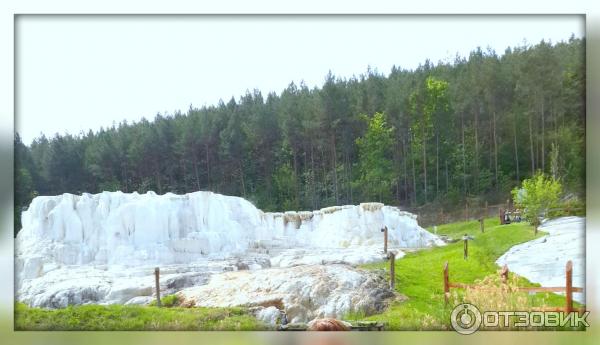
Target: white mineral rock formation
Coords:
[[306, 291], [543, 260], [102, 248]]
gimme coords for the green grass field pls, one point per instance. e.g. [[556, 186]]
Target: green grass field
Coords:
[[135, 318], [419, 274]]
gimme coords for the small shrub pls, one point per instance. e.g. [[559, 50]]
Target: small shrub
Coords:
[[168, 301], [537, 195]]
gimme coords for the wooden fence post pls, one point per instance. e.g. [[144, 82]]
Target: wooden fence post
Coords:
[[466, 246], [385, 239], [392, 257], [481, 225], [569, 287], [501, 216], [504, 274], [157, 280], [446, 283]]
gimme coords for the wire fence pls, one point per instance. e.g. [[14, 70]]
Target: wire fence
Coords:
[[430, 217]]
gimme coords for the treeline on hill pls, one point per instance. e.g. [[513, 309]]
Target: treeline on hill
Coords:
[[475, 127]]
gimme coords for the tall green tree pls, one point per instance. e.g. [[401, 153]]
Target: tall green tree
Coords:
[[376, 175]]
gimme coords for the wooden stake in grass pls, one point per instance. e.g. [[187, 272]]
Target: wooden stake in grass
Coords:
[[385, 239], [466, 246], [481, 225], [446, 283], [504, 274], [569, 287], [157, 280], [392, 256]]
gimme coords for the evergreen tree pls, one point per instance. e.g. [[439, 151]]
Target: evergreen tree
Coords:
[[376, 175]]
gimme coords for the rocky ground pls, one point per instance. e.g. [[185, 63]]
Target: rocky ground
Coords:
[[304, 292]]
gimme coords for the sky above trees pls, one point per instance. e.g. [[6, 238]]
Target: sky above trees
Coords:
[[76, 73]]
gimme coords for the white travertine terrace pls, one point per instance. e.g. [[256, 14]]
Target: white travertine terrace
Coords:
[[543, 260], [101, 248]]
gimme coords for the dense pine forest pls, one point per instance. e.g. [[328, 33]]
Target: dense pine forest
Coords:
[[440, 134]]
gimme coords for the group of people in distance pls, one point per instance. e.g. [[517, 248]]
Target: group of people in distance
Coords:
[[514, 216]]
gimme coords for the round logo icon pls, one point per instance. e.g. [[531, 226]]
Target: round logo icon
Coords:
[[465, 318]]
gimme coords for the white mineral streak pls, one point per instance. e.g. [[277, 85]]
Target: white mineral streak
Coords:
[[102, 248], [543, 260]]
